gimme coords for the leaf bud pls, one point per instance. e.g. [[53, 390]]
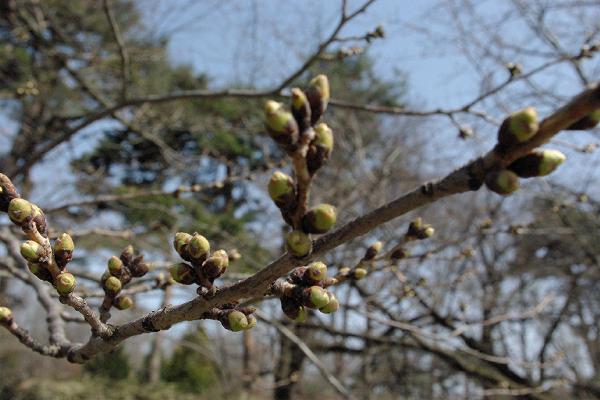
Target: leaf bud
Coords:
[[373, 250], [300, 109], [282, 190], [198, 248], [63, 250], [6, 316], [537, 163], [181, 243], [115, 266], [183, 273], [319, 219], [359, 273], [65, 283], [123, 302], [113, 285], [503, 182], [281, 125], [318, 96], [298, 243], [32, 251], [519, 127], [20, 211], [315, 297], [332, 306], [215, 265]]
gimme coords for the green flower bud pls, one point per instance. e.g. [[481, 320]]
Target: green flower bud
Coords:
[[182, 273], [537, 163], [319, 219], [300, 108], [320, 148], [32, 251], [115, 266], [215, 265], [332, 306], [198, 248], [359, 273], [236, 321], [298, 243], [181, 242], [251, 322], [317, 271], [40, 272], [123, 302], [5, 315], [281, 124], [318, 96], [373, 250], [315, 297], [282, 189], [20, 211], [519, 127], [113, 285], [65, 283], [64, 243], [502, 182]]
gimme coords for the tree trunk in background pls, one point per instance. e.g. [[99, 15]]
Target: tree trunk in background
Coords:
[[288, 367], [154, 362]]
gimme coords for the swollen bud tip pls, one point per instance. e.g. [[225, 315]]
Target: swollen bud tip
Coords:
[[298, 243], [281, 189], [20, 211], [65, 283], [31, 251], [5, 315], [198, 247], [123, 302], [317, 271], [316, 297], [519, 127], [319, 219], [503, 182], [318, 96], [332, 306], [113, 285], [115, 266], [237, 321], [182, 273], [537, 163]]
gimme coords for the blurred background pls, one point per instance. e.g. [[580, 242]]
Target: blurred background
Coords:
[[104, 115]]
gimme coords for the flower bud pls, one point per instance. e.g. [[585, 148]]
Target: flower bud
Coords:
[[40, 272], [251, 322], [138, 267], [300, 109], [320, 148], [63, 250], [180, 243], [318, 96], [182, 273], [282, 190], [115, 266], [123, 302], [32, 251], [315, 297], [588, 122], [127, 255], [20, 211], [292, 309], [519, 127], [332, 306], [319, 219], [281, 125], [65, 283], [298, 243], [373, 250], [7, 192], [112, 285], [215, 265], [537, 163], [198, 248], [5, 316], [502, 182], [316, 271], [236, 321], [359, 273]]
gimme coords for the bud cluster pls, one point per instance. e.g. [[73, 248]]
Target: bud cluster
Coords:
[[120, 271], [232, 317], [202, 267], [417, 230], [309, 142], [305, 288], [520, 127]]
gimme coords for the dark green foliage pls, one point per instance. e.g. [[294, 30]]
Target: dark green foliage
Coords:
[[113, 365], [188, 367]]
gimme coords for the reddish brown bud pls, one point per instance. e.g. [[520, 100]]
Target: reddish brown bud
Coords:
[[300, 109], [215, 265], [127, 255]]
